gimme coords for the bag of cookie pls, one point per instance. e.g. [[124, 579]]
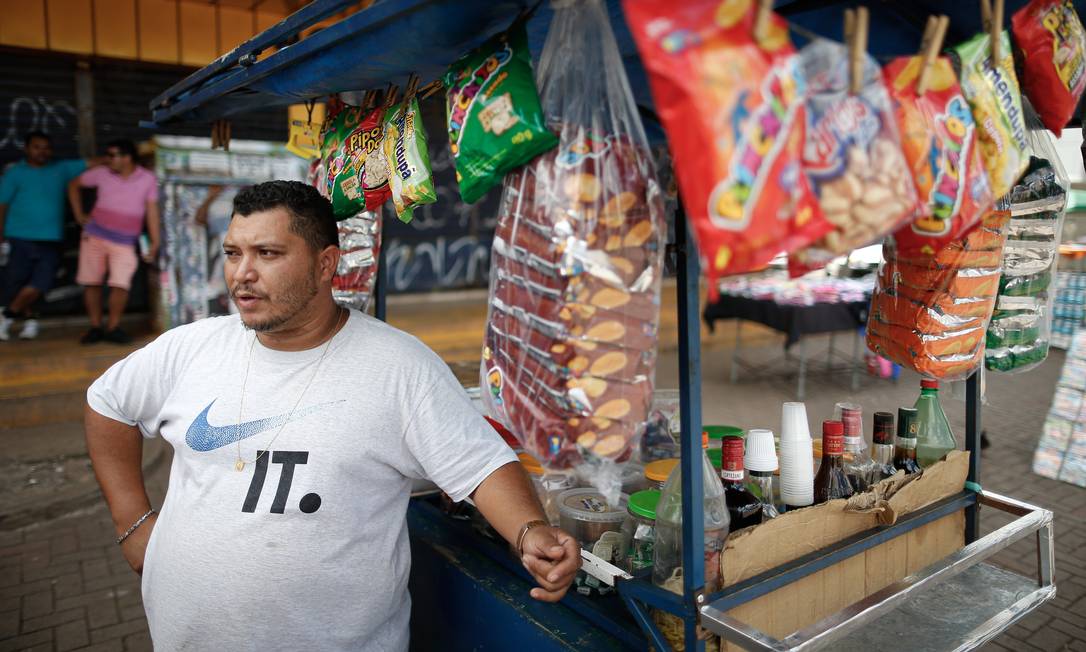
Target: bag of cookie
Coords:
[[729, 90], [574, 302], [408, 159], [493, 113]]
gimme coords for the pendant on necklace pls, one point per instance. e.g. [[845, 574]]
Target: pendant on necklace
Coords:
[[239, 465]]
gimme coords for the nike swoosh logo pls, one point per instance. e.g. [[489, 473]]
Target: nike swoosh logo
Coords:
[[203, 437]]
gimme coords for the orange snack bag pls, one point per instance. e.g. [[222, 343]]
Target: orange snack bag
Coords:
[[938, 137], [733, 109]]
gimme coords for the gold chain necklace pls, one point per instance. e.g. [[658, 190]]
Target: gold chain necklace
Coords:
[[239, 464]]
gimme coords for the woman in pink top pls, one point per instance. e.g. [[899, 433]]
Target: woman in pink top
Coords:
[[127, 194]]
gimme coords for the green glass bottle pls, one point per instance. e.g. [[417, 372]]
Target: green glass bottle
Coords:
[[934, 438]]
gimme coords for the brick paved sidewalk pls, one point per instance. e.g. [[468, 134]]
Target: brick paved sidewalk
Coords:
[[64, 584]]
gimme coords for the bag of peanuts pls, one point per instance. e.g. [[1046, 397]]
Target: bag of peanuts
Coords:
[[1052, 50], [570, 343], [996, 103], [930, 311], [852, 156], [732, 106], [938, 137]]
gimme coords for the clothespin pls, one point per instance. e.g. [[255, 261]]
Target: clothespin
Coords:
[[220, 134], [850, 27], [391, 93], [857, 50], [368, 100], [431, 88], [761, 19], [931, 51], [226, 135], [412, 87], [997, 30], [986, 14]]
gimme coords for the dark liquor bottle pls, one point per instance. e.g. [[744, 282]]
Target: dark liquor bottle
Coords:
[[832, 482], [884, 445], [744, 508], [905, 447]]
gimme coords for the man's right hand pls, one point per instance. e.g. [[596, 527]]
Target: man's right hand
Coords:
[[82, 218], [134, 548]]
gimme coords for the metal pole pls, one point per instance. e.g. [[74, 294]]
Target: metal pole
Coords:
[[972, 444], [690, 413], [380, 289]]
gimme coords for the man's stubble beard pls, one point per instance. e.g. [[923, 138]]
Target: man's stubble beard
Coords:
[[294, 299]]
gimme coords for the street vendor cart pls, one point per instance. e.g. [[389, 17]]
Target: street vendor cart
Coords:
[[468, 591]]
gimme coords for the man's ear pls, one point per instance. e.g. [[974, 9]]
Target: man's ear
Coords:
[[328, 261]]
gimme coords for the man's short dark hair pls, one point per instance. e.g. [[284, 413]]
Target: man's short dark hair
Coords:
[[31, 135], [311, 215], [125, 147]]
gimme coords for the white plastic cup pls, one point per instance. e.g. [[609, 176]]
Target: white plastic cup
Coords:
[[794, 425], [760, 454], [797, 473]]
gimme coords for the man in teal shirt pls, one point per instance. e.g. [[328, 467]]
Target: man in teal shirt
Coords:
[[32, 194]]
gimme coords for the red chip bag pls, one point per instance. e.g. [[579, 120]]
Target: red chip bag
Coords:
[[1052, 48], [733, 110], [938, 137]]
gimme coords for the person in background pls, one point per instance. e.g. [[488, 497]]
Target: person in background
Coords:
[[32, 225], [127, 196]]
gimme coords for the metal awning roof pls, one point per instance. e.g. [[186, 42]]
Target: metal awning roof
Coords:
[[391, 39]]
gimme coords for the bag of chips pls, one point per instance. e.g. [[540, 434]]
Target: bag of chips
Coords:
[[852, 156], [492, 107], [354, 158], [356, 274], [1052, 50], [733, 109], [938, 137], [406, 154], [996, 103]]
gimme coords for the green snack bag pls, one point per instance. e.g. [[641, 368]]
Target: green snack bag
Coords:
[[344, 187], [408, 160], [494, 118]]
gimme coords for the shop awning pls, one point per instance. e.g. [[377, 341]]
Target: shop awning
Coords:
[[391, 39]]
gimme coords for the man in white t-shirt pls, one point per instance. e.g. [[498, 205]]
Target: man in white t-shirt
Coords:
[[297, 428]]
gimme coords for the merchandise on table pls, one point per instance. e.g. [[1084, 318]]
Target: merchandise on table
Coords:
[[859, 467], [718, 433], [1061, 451], [659, 471], [852, 156], [356, 274], [832, 482], [660, 439], [934, 438], [796, 456], [408, 159], [760, 460], [493, 112], [802, 291], [548, 486], [905, 444], [639, 529], [930, 314], [732, 106], [1019, 333], [938, 137], [883, 446], [992, 93], [570, 345], [353, 155], [1052, 54], [586, 515], [744, 508]]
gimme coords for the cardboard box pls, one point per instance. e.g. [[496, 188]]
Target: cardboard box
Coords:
[[754, 550]]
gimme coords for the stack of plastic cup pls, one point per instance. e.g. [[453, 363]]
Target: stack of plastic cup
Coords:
[[797, 457], [760, 455]]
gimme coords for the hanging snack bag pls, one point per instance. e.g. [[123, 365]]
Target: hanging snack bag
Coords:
[[570, 344], [1052, 50], [494, 118], [852, 156], [938, 137], [408, 159], [732, 106], [996, 103], [357, 171], [356, 274], [929, 313]]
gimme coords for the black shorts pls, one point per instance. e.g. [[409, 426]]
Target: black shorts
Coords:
[[31, 262]]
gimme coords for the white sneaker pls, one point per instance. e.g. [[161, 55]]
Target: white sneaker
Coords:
[[5, 327], [30, 330]]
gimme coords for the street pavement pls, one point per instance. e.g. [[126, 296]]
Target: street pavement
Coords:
[[65, 586]]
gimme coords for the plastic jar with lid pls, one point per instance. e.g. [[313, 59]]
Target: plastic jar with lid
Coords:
[[657, 472], [547, 485], [639, 530], [718, 433], [586, 515]]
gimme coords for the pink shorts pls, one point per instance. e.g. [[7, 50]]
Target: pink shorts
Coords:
[[97, 255]]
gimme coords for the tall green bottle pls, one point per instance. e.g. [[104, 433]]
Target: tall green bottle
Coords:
[[934, 438]]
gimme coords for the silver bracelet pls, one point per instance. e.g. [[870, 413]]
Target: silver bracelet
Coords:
[[135, 525]]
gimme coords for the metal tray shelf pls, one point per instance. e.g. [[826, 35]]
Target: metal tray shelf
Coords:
[[958, 603]]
